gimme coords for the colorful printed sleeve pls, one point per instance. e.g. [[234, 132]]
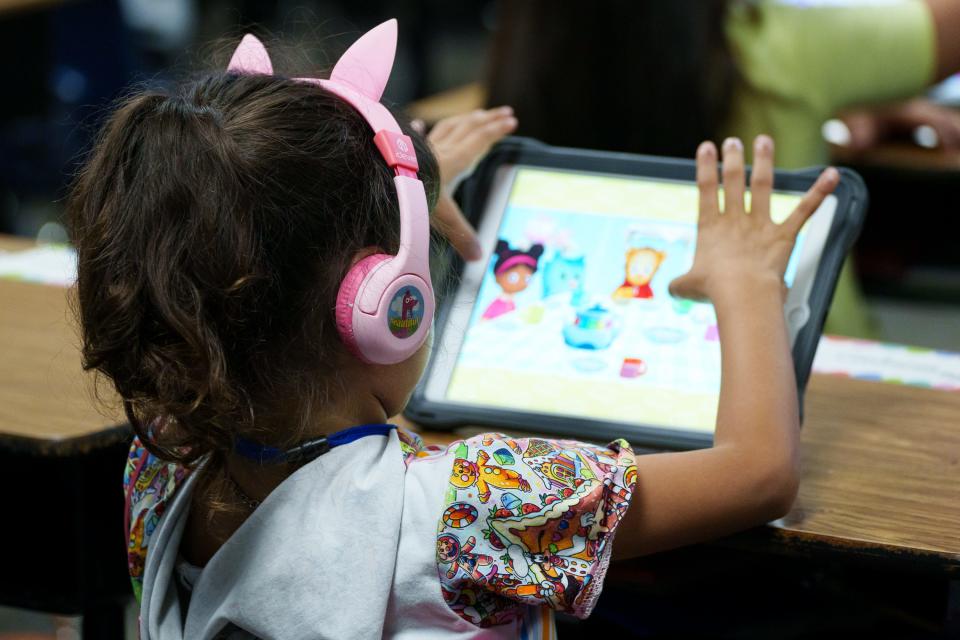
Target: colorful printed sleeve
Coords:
[[530, 522], [412, 446], [148, 485]]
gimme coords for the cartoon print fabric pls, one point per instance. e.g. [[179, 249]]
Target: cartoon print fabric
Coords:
[[530, 522], [148, 484], [515, 528]]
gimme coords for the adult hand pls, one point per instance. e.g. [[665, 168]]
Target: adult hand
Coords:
[[869, 127]]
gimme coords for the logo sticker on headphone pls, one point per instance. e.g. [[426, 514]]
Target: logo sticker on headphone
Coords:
[[405, 312]]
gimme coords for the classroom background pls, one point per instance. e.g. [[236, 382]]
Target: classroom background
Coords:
[[65, 62]]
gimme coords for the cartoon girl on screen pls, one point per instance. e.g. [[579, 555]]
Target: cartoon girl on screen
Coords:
[[512, 271]]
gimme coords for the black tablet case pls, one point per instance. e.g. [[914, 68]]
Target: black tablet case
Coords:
[[848, 219]]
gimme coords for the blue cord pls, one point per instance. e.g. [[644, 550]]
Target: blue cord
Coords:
[[310, 449], [346, 436]]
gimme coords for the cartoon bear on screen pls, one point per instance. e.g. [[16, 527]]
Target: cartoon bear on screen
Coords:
[[641, 265]]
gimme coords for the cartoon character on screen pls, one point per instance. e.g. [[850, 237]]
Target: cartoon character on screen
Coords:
[[466, 474], [641, 265], [565, 274], [512, 271]]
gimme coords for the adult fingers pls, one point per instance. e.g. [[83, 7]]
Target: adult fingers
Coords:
[[761, 178], [707, 181], [812, 200], [863, 130], [450, 221], [948, 130], [733, 180]]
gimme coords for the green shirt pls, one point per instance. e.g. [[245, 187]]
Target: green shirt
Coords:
[[802, 62]]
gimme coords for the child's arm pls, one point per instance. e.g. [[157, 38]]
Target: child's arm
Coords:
[[750, 476]]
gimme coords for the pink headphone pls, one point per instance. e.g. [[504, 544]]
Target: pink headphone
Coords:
[[385, 303]]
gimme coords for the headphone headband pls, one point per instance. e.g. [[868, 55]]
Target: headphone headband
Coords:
[[385, 303], [398, 152]]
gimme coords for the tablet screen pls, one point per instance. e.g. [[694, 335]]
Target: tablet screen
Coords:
[[571, 313]]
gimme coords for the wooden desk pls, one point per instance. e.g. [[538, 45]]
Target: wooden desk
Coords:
[[880, 474], [449, 103], [881, 478], [47, 403], [61, 460], [13, 6]]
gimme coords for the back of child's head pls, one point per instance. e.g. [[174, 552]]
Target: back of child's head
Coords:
[[213, 224]]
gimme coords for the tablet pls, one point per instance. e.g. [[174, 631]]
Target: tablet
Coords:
[[566, 326]]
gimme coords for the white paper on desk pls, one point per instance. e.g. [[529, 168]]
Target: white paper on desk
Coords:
[[891, 363], [54, 264]]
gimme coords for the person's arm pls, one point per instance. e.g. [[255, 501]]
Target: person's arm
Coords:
[[869, 126], [751, 474], [946, 21], [459, 142]]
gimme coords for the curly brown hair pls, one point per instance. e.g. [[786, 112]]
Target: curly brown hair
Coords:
[[213, 224]]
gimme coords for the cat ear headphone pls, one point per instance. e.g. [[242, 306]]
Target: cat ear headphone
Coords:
[[385, 303]]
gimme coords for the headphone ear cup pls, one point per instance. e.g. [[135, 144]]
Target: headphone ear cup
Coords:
[[347, 298]]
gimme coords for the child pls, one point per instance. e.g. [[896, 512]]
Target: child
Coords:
[[240, 263]]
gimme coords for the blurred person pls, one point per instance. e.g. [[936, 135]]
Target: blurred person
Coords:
[[657, 77]]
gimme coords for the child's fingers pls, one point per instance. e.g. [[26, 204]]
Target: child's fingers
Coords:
[[469, 121], [450, 221], [761, 179], [443, 128], [418, 125], [733, 177], [457, 154], [477, 119], [812, 200], [707, 180], [479, 141]]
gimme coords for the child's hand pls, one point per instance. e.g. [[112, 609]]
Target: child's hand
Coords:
[[458, 143], [752, 473], [739, 251]]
